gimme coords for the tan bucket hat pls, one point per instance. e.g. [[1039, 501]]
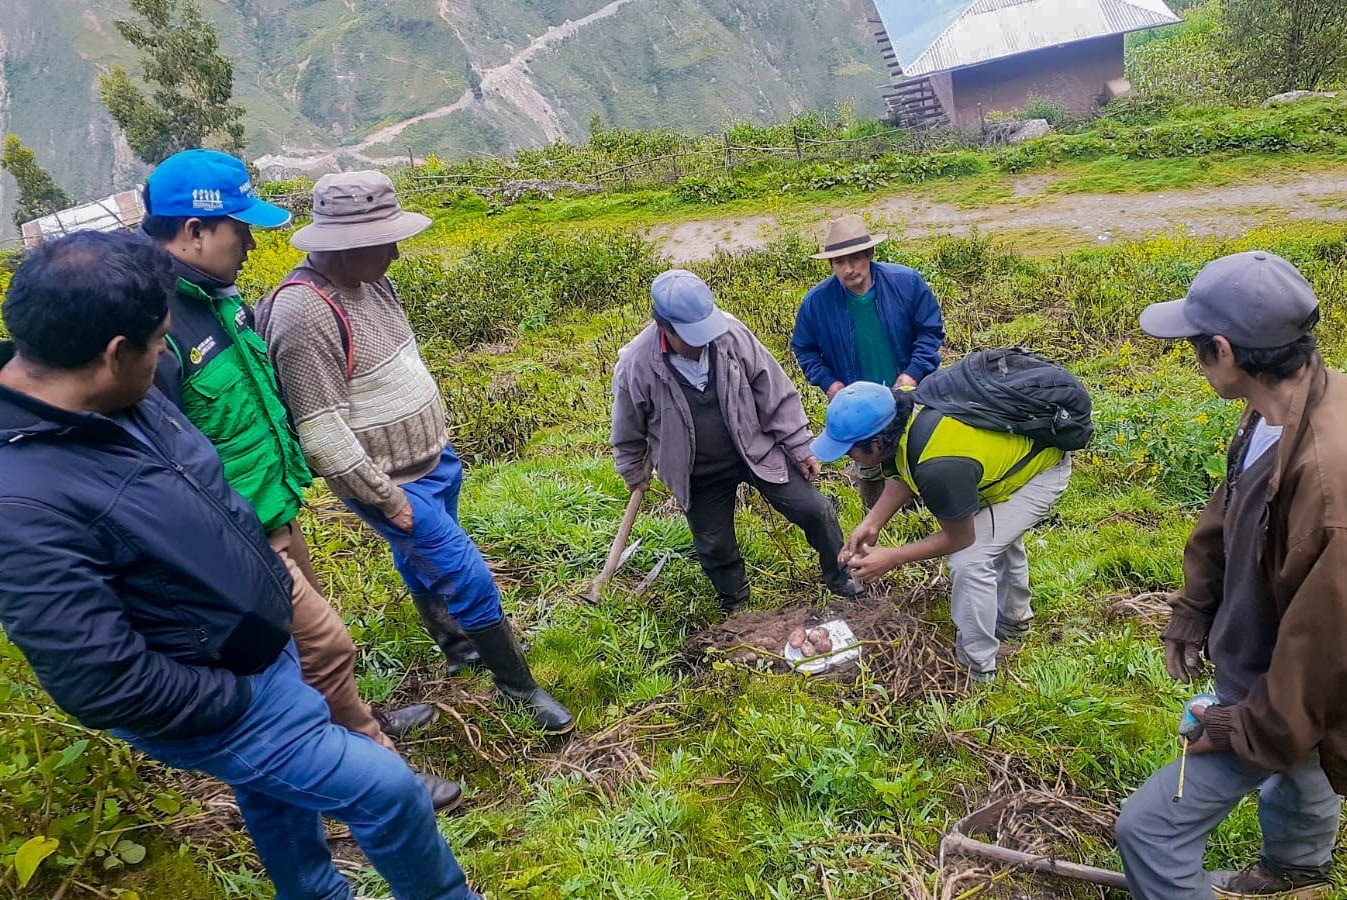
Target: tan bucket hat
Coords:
[[848, 235], [356, 209]]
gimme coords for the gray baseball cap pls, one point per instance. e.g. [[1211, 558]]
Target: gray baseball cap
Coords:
[[685, 302], [1255, 300]]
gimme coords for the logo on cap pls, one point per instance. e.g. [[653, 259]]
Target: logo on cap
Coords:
[[207, 199]]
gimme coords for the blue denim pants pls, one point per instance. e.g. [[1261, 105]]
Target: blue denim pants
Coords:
[[289, 766], [1162, 842], [437, 558]]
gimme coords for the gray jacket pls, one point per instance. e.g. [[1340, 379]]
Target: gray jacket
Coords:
[[652, 424]]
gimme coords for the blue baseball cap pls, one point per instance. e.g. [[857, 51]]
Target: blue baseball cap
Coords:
[[858, 412], [685, 302], [208, 184]]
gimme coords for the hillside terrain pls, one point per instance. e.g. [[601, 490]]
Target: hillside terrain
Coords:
[[381, 77], [696, 772]]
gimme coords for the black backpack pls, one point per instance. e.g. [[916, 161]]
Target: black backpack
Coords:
[[1012, 390]]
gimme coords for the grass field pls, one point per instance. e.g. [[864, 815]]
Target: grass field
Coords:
[[692, 775]]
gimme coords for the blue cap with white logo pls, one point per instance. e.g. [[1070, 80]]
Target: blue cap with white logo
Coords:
[[208, 184], [685, 302], [858, 412]]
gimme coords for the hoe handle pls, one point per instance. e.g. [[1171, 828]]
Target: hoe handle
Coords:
[[962, 845], [619, 544]]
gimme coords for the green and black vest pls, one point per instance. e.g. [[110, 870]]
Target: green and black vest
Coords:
[[216, 370]]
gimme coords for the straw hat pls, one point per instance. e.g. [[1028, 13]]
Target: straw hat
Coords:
[[848, 235], [356, 209]]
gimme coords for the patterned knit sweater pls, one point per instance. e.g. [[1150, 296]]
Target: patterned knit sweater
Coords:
[[382, 427]]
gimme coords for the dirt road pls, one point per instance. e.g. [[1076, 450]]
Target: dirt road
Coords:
[[1061, 219]]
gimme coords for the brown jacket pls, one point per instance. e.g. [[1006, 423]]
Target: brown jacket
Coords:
[[652, 424], [1301, 703]]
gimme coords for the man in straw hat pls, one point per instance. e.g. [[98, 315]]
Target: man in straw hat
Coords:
[[371, 421], [869, 321], [1264, 596], [698, 398], [201, 209]]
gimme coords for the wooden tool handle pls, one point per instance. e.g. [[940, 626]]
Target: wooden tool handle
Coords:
[[619, 544]]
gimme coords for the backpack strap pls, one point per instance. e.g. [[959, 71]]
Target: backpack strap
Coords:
[[919, 434], [343, 324], [923, 426]]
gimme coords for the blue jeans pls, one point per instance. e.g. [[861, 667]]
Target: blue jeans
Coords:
[[289, 765], [437, 558], [1162, 842]]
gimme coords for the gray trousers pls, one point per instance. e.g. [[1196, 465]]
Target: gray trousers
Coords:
[[1162, 842], [990, 578]]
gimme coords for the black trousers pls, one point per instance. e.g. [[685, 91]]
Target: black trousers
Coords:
[[711, 518]]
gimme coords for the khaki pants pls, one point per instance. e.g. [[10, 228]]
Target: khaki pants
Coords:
[[326, 651]]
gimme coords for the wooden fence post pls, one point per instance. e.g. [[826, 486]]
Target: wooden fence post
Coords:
[[729, 154], [675, 166], [795, 133], [594, 167]]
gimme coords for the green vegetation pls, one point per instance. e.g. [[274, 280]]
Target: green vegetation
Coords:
[[1136, 147], [190, 103], [746, 784], [1241, 51], [39, 194]]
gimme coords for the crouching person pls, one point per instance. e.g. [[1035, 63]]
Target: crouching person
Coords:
[[985, 488], [1264, 593], [371, 421], [700, 400], [145, 595]]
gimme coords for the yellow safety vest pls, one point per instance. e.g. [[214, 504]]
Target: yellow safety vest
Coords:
[[998, 452]]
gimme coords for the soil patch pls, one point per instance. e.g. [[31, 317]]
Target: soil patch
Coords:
[[900, 651], [1093, 218]]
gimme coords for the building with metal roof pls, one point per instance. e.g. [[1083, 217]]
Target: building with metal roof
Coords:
[[115, 213], [956, 60]]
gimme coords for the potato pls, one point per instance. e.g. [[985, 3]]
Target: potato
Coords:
[[824, 646], [797, 638], [817, 635], [808, 650]]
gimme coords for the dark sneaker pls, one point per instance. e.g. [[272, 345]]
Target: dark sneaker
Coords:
[[1013, 632], [844, 586], [978, 676], [1262, 881]]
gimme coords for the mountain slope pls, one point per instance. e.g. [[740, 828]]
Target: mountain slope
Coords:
[[374, 78]]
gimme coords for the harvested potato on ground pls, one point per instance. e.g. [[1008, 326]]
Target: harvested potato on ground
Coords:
[[797, 638], [807, 649], [823, 645], [818, 634]]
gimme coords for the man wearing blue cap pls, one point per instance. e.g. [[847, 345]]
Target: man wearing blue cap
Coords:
[[985, 488], [1264, 595], [199, 207], [700, 400]]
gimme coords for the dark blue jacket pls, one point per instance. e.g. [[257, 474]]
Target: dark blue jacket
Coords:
[[139, 586], [825, 343]]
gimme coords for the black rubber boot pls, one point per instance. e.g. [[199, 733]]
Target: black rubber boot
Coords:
[[502, 654], [398, 722], [443, 792], [459, 651]]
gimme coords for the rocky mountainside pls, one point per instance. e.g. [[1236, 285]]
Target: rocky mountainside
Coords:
[[364, 80]]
